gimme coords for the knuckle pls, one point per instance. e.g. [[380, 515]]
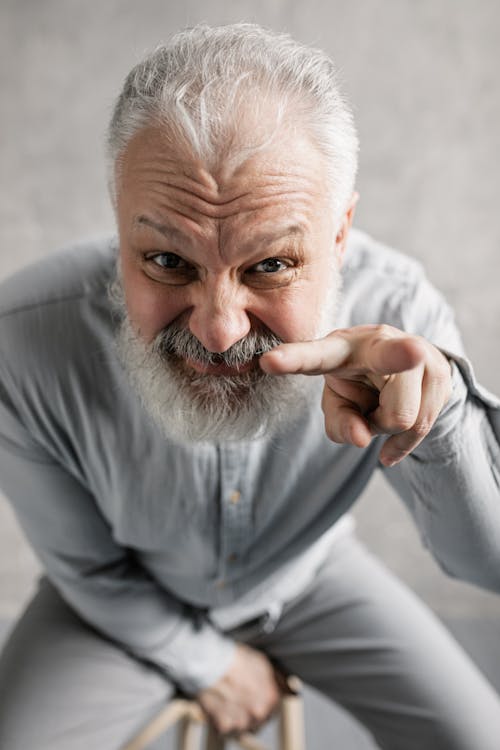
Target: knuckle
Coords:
[[442, 374], [260, 714], [383, 331], [400, 420], [422, 427]]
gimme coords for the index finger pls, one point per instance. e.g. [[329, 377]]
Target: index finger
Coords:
[[359, 350], [307, 357]]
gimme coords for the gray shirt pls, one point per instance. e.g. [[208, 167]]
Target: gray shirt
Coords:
[[164, 546]]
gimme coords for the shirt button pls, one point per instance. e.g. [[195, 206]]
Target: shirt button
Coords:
[[235, 496], [220, 584], [232, 557]]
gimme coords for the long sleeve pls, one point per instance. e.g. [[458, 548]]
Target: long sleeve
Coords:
[[99, 579], [451, 482]]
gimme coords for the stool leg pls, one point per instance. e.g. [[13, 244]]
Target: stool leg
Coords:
[[215, 741], [175, 711], [188, 734], [291, 723]]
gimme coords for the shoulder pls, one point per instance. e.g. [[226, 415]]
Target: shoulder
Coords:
[[371, 266], [56, 348], [55, 309], [382, 285], [67, 275]]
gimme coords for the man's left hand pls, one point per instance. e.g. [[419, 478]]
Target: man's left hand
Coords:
[[378, 380]]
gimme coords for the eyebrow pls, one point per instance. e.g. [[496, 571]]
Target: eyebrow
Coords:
[[167, 230], [171, 232], [291, 230]]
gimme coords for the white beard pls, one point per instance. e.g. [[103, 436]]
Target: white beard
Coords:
[[188, 406]]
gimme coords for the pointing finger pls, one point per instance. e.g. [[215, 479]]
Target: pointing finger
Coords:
[[357, 350], [307, 357]]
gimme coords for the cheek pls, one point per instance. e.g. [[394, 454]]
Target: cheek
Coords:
[[150, 306], [294, 315], [309, 312]]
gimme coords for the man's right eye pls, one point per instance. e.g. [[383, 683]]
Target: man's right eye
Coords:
[[169, 261]]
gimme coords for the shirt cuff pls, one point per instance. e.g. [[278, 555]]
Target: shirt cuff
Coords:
[[464, 388], [467, 372], [197, 656]]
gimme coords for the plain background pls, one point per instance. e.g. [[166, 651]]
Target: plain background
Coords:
[[423, 80]]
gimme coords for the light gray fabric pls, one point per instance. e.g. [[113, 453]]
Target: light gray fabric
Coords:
[[356, 634], [363, 639], [143, 537], [64, 687]]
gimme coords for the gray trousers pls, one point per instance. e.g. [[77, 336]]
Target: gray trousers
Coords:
[[357, 634]]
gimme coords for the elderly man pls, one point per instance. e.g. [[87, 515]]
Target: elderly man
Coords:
[[162, 438]]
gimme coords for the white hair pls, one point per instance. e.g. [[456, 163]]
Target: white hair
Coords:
[[203, 85]]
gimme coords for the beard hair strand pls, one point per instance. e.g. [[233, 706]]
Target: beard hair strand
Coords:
[[190, 407], [203, 407]]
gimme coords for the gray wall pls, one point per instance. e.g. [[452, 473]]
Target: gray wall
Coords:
[[423, 78]]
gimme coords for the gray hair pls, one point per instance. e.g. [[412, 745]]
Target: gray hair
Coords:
[[205, 82]]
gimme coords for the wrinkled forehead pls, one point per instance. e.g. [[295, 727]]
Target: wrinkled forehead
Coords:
[[285, 177]]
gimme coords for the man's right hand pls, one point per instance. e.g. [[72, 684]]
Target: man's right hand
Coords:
[[244, 698]]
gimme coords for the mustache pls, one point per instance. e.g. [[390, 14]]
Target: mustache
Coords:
[[176, 341]]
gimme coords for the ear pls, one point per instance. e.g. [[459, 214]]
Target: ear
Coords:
[[345, 225]]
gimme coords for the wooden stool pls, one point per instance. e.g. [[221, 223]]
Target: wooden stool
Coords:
[[189, 716]]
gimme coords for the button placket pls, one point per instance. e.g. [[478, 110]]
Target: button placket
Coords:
[[235, 510]]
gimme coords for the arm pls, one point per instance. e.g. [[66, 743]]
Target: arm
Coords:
[[442, 454], [451, 486], [100, 580], [451, 481], [237, 686]]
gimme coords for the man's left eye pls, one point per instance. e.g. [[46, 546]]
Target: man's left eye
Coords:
[[270, 265]]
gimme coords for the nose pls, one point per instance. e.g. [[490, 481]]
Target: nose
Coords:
[[218, 317]]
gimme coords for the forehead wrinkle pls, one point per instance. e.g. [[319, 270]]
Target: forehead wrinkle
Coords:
[[193, 196], [175, 225], [199, 210], [184, 171], [151, 157], [237, 228], [187, 198], [205, 187], [248, 235], [175, 181]]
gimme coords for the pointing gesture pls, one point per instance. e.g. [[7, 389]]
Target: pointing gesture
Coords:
[[378, 380]]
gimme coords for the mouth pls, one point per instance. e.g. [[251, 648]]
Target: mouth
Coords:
[[220, 368]]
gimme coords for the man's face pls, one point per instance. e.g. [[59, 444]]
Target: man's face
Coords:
[[244, 254], [225, 253]]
